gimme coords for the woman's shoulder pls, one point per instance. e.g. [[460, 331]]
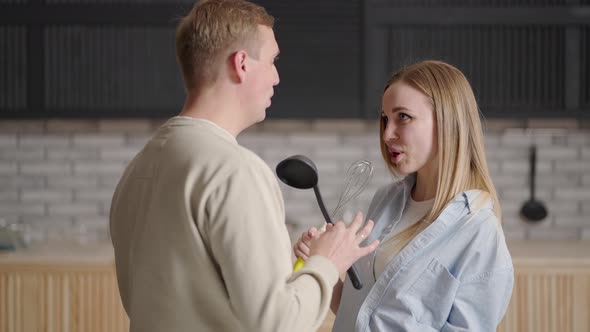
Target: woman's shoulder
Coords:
[[482, 235], [475, 211]]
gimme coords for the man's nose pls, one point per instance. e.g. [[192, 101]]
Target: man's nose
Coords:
[[277, 79]]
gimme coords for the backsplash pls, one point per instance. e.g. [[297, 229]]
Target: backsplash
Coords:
[[57, 176]]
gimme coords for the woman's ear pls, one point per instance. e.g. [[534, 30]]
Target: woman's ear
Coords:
[[238, 65]]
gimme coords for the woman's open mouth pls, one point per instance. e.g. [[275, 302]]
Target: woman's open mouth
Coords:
[[396, 157]]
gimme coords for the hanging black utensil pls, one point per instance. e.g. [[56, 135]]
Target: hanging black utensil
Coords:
[[300, 172], [533, 210]]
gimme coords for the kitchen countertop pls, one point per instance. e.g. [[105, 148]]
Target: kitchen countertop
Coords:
[[527, 253], [64, 253], [556, 253]]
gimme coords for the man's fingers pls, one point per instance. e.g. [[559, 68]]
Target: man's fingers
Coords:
[[365, 231], [369, 248], [356, 222]]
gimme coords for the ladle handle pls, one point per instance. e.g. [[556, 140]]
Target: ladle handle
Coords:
[[352, 273], [318, 196], [533, 161], [354, 277]]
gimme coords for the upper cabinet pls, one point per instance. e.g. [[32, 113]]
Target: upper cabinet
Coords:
[[114, 59]]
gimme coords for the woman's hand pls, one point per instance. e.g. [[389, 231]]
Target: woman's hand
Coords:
[[301, 248]]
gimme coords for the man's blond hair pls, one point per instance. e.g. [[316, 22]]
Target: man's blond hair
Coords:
[[211, 32]]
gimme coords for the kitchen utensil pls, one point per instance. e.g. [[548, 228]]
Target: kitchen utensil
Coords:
[[533, 210], [357, 177], [300, 172]]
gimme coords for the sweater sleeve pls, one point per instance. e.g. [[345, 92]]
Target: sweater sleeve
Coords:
[[251, 246]]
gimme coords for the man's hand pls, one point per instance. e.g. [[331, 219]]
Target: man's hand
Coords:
[[340, 244]]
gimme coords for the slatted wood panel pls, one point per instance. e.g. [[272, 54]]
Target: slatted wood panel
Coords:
[[110, 2], [548, 300], [100, 58], [320, 61], [529, 60], [13, 68], [480, 3], [585, 72], [106, 64], [510, 68], [68, 299], [89, 69]]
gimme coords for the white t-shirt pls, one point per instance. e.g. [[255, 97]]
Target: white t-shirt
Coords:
[[412, 213]]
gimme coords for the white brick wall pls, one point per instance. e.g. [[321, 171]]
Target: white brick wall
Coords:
[[58, 174]]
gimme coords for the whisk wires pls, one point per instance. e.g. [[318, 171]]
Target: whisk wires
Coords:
[[358, 175]]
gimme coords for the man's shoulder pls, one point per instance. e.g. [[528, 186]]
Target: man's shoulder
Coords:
[[199, 141]]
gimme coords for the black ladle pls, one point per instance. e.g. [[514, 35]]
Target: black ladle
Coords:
[[300, 172], [533, 210]]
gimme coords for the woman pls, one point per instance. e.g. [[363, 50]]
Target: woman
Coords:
[[442, 263]]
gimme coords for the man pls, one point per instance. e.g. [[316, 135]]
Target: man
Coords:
[[197, 221]]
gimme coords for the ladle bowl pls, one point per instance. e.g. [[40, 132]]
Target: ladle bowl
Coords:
[[298, 171]]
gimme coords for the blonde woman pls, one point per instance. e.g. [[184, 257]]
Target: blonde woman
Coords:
[[442, 263]]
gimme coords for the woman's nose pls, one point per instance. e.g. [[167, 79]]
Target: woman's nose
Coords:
[[390, 134]]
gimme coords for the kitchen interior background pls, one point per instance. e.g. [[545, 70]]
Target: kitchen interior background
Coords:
[[58, 176], [81, 93]]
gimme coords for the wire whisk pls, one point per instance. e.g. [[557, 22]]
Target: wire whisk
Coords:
[[358, 175]]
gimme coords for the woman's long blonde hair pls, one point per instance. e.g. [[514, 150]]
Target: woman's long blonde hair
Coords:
[[461, 153]]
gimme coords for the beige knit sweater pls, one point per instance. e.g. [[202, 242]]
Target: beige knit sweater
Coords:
[[197, 222]]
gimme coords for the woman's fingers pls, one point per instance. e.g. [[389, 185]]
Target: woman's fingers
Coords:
[[301, 254], [312, 232], [301, 248]]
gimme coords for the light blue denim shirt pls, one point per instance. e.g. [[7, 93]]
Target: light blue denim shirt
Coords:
[[456, 275]]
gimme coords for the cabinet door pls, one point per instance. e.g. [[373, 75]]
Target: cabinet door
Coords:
[[547, 299], [34, 298]]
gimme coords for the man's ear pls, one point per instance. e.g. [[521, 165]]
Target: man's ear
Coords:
[[238, 65]]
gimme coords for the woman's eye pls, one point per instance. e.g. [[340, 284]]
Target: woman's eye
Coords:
[[384, 118], [404, 116]]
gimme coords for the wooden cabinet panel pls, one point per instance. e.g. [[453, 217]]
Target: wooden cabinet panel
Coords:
[[60, 299], [56, 293], [549, 299]]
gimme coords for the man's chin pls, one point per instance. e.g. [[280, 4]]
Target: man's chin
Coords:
[[261, 116]]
